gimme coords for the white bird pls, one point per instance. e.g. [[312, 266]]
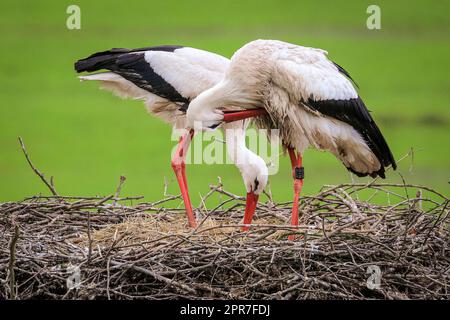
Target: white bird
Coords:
[[309, 98], [167, 78]]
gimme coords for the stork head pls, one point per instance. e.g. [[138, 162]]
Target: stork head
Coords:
[[254, 173], [253, 168], [204, 111]]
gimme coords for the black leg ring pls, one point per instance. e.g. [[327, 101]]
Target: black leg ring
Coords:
[[299, 172]]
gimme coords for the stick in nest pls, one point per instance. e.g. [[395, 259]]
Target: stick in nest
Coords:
[[40, 175]]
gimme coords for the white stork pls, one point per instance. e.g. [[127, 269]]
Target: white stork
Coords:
[[167, 78], [309, 98]]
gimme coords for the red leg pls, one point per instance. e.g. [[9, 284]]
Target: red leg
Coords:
[[179, 166], [298, 174], [250, 207], [188, 138]]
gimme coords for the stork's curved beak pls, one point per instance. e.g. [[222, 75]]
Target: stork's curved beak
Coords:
[[230, 116], [250, 207]]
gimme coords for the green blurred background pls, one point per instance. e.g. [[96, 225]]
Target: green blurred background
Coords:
[[86, 138]]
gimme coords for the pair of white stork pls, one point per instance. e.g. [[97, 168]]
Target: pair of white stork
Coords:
[[298, 90]]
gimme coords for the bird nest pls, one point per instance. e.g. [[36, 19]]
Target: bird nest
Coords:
[[115, 248]]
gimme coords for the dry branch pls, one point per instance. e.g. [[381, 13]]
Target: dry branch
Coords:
[[12, 262], [39, 174]]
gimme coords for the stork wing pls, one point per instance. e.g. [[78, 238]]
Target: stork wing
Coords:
[[325, 88], [175, 73]]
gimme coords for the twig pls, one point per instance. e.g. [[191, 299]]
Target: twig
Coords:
[[119, 188], [156, 276], [12, 261], [89, 237], [40, 175]]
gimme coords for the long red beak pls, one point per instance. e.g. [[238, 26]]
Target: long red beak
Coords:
[[250, 207], [230, 116]]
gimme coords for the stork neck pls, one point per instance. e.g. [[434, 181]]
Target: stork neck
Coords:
[[236, 147], [213, 98]]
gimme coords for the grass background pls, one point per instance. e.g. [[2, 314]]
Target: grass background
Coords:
[[87, 138]]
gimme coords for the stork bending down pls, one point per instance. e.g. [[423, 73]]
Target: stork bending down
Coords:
[[167, 78], [310, 99], [252, 167]]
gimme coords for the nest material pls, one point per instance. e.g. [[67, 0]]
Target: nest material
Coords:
[[345, 248]]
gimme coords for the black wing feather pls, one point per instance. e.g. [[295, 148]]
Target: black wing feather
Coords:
[[131, 65], [355, 113]]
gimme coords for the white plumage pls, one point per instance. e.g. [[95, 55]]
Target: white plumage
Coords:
[[184, 65], [310, 99]]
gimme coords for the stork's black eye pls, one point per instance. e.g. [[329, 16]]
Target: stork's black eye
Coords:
[[256, 184]]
